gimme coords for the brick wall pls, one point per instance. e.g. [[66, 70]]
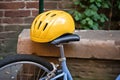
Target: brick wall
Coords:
[[14, 16], [92, 69], [18, 14], [22, 12]]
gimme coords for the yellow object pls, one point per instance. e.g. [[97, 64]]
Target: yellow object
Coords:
[[49, 25]]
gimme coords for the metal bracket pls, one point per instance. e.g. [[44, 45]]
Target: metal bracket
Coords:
[[62, 59], [52, 73]]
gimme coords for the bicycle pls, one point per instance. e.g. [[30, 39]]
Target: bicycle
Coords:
[[14, 67], [18, 67], [47, 27]]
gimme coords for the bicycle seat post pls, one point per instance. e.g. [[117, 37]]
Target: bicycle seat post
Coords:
[[62, 54], [59, 43], [62, 59]]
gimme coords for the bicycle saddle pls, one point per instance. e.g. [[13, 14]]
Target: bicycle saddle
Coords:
[[65, 38]]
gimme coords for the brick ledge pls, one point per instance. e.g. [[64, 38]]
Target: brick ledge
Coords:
[[94, 44]]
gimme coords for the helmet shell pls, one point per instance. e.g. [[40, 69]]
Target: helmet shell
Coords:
[[49, 25]]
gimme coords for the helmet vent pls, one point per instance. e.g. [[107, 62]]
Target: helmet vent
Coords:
[[45, 26], [35, 23], [47, 13], [53, 15], [39, 24]]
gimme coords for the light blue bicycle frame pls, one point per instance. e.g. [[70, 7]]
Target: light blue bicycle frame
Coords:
[[118, 77], [65, 72]]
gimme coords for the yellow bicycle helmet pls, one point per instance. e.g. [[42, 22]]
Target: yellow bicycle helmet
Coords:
[[49, 25]]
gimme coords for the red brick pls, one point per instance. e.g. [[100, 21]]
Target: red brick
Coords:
[[0, 20], [15, 27], [50, 5], [12, 5], [65, 4], [13, 20], [17, 13], [1, 0], [14, 0], [9, 28], [29, 20], [52, 0], [35, 12], [1, 27], [10, 34], [32, 5], [1, 13], [9, 0]]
